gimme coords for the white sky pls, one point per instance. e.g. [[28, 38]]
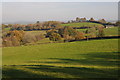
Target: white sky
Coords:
[[60, 0], [61, 11]]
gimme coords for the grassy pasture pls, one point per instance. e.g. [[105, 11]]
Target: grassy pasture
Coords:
[[114, 31], [81, 30], [7, 29], [82, 24], [63, 60]]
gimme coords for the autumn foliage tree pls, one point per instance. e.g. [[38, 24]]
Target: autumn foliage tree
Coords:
[[55, 37], [13, 38], [68, 33], [101, 32], [79, 36]]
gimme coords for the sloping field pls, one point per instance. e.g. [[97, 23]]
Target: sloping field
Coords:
[[114, 31], [82, 24], [80, 59]]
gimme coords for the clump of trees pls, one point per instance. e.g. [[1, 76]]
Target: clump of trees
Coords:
[[79, 36], [80, 19], [94, 32], [67, 33], [91, 32], [12, 38], [55, 37]]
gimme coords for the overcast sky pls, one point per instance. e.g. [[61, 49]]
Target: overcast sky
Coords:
[[13, 12], [60, 0]]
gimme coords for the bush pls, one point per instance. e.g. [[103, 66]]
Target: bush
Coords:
[[29, 38]]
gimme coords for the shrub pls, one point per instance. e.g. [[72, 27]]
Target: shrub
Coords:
[[29, 38]]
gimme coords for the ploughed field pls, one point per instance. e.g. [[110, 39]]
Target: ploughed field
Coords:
[[80, 59]]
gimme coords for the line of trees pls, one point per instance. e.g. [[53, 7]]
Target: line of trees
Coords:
[[37, 26], [102, 21], [85, 20]]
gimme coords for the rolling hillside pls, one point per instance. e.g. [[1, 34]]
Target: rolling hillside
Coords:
[[63, 60]]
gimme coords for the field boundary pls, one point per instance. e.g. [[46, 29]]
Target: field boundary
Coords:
[[97, 38]]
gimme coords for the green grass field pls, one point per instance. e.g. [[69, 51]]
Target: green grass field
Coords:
[[107, 31], [112, 31], [82, 24], [80, 59], [7, 29]]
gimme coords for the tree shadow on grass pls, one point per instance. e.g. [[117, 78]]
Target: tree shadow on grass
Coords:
[[104, 59], [77, 72], [95, 59], [94, 62], [99, 59], [103, 55], [18, 73]]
